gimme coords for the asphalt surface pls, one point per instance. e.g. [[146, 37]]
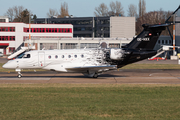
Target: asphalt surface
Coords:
[[3, 60], [113, 77]]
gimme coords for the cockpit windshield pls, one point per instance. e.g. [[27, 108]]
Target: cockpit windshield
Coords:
[[24, 56]]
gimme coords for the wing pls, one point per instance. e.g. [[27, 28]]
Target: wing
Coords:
[[92, 68]]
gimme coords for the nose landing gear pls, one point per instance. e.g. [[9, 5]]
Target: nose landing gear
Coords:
[[19, 73]]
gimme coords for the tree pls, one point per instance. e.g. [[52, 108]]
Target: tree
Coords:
[[64, 10], [10, 14], [116, 9], [132, 10], [34, 17], [142, 9], [17, 11], [102, 10], [23, 17], [52, 12], [18, 14], [153, 17]]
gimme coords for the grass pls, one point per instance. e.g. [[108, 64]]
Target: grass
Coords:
[[152, 66], [89, 101]]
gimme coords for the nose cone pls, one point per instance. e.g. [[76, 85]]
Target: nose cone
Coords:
[[9, 65], [6, 66]]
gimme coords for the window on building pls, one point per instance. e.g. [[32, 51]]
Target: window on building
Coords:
[[170, 42], [114, 45], [7, 38], [89, 45], [48, 46], [49, 30], [162, 41], [166, 41], [7, 29], [11, 49], [69, 45]]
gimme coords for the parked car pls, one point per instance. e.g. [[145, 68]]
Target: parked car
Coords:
[[1, 54]]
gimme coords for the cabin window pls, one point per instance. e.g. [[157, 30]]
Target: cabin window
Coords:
[[82, 56], [56, 56], [69, 56], [75, 56], [49, 57], [62, 56]]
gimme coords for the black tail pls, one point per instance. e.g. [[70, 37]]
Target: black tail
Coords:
[[147, 39]]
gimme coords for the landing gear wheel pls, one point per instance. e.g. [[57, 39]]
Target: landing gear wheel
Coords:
[[19, 76], [95, 75]]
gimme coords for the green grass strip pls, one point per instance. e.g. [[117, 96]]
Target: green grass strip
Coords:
[[89, 102]]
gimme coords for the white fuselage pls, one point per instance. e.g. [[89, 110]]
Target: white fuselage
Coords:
[[58, 60]]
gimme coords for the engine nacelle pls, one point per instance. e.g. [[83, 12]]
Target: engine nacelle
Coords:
[[116, 54]]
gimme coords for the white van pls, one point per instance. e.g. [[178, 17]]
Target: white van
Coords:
[[1, 54]]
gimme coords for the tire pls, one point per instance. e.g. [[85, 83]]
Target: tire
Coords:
[[95, 75], [19, 76]]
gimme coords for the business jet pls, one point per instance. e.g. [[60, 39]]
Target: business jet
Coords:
[[91, 62]]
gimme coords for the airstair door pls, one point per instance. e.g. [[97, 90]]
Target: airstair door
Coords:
[[41, 59]]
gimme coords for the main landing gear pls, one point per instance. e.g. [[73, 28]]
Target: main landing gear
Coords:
[[92, 74], [19, 73], [95, 75]]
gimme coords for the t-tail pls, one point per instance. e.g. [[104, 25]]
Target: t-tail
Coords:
[[142, 46], [147, 39]]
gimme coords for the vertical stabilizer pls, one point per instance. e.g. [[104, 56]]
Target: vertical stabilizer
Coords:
[[147, 39]]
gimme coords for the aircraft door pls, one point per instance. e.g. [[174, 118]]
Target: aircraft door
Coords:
[[41, 59]]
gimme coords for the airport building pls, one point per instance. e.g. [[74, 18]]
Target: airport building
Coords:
[[178, 32], [60, 35], [106, 27], [76, 43], [12, 35]]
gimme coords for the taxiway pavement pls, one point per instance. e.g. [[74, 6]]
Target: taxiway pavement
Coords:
[[113, 77]]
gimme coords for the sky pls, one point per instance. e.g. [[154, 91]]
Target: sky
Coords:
[[82, 8]]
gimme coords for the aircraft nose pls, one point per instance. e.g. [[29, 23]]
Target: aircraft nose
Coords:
[[6, 65]]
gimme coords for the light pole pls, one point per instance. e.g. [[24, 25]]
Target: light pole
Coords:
[[30, 28], [174, 34]]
